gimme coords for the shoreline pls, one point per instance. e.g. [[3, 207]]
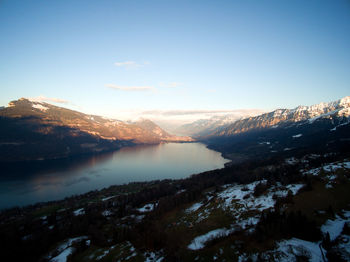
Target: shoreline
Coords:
[[42, 165]]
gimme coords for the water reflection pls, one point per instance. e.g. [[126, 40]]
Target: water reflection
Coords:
[[51, 180]]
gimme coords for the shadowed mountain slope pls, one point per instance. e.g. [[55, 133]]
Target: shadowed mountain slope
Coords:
[[31, 130]]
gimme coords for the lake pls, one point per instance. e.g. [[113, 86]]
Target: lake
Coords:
[[53, 180]]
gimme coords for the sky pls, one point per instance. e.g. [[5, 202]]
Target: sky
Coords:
[[170, 58]]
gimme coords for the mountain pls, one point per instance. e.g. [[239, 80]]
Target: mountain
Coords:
[[34, 130], [204, 127], [319, 128], [339, 108], [151, 127]]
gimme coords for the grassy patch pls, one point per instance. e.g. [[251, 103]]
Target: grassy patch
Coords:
[[119, 252], [47, 210], [321, 198]]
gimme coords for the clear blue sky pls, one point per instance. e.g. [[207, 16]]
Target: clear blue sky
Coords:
[[108, 56]]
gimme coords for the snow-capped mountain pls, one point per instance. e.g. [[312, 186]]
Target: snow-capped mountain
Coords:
[[203, 127], [318, 129], [336, 109]]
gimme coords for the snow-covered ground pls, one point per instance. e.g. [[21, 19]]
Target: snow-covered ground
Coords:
[[106, 213], [329, 176], [147, 208], [335, 227], [180, 191], [126, 252], [79, 212], [107, 198], [194, 207], [343, 124], [238, 199], [105, 253], [265, 143], [245, 208], [291, 161], [288, 249], [199, 242], [335, 166], [243, 195], [65, 249], [153, 257], [329, 167], [62, 257]]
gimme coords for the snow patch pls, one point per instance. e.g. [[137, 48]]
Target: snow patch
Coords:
[[180, 191], [313, 119], [147, 207], [106, 213], [335, 128], [62, 257], [239, 199], [105, 253], [79, 212], [66, 249], [329, 167], [194, 207], [107, 198], [264, 143], [153, 257], [291, 161], [335, 227], [250, 221], [199, 242], [242, 194], [40, 107], [290, 248]]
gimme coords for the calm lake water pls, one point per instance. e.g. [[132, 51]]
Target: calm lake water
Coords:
[[45, 181]]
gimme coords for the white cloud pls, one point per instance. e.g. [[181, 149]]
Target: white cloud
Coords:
[[171, 84], [49, 99], [131, 64], [131, 88]]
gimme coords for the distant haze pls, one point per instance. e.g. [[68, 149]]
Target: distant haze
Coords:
[[172, 120]]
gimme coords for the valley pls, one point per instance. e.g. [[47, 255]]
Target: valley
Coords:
[[283, 197], [32, 182]]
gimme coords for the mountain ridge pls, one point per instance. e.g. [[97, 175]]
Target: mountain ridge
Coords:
[[103, 127], [322, 127], [338, 108], [203, 127], [34, 130]]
